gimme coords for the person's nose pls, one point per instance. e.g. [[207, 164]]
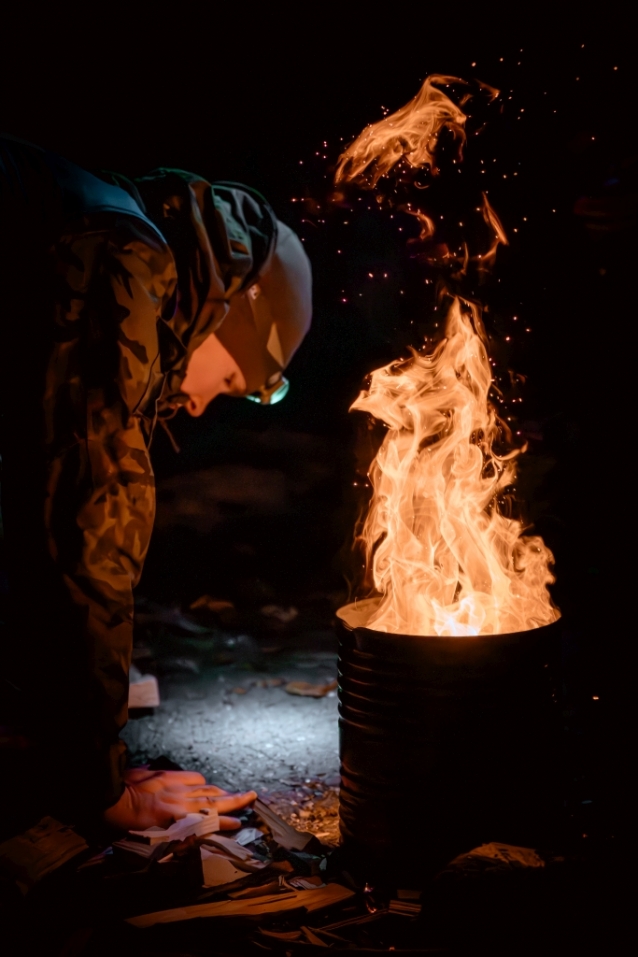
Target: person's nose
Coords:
[[195, 406]]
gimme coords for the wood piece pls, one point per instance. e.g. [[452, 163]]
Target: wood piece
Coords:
[[309, 900], [312, 937], [285, 835]]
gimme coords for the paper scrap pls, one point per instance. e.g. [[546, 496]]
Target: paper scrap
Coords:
[[306, 883], [136, 847], [144, 693], [249, 834], [310, 900], [233, 848], [30, 856], [198, 825], [218, 870]]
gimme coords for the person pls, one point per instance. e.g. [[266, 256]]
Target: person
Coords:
[[122, 301]]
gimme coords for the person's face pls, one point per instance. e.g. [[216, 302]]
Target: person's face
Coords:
[[211, 371]]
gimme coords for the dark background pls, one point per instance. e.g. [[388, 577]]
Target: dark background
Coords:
[[259, 505]]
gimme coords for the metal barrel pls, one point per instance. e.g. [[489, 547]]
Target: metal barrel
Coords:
[[445, 744]]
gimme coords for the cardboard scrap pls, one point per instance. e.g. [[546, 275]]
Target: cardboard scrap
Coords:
[[250, 907], [218, 869], [198, 825], [37, 852], [285, 835]]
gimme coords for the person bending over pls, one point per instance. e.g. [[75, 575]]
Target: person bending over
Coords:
[[122, 301]]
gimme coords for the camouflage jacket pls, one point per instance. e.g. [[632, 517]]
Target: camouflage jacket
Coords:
[[116, 284]]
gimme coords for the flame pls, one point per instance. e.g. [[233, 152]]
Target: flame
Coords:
[[445, 560], [500, 237], [445, 557], [411, 133]]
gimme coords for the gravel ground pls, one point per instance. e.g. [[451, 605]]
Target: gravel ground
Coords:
[[236, 724]]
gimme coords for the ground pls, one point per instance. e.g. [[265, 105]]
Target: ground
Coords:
[[225, 712]]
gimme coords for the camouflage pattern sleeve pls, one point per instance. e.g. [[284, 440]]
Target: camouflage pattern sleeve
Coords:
[[102, 381]]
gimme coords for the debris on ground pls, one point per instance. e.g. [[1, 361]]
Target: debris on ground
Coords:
[[143, 690], [211, 604], [494, 857], [292, 900], [284, 615], [308, 690], [193, 825], [31, 856], [151, 613], [310, 806], [192, 890]]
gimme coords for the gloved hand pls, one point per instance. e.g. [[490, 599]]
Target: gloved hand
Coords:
[[157, 798]]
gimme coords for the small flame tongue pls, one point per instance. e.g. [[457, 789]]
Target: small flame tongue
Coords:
[[444, 560], [411, 133]]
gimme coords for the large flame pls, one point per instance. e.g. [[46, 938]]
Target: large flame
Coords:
[[446, 558]]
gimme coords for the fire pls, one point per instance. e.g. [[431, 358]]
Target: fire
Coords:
[[411, 133], [445, 557]]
